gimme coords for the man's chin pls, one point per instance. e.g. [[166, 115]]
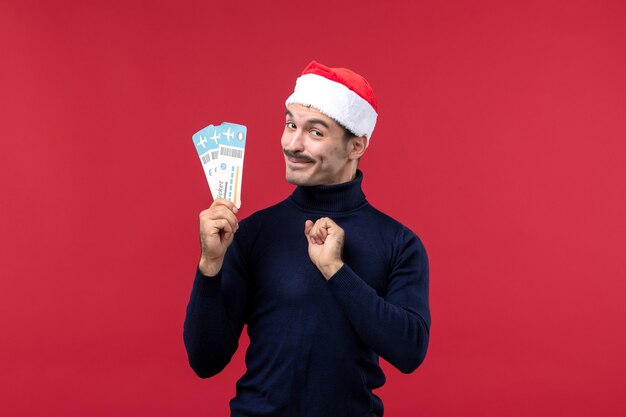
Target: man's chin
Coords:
[[297, 178], [292, 179]]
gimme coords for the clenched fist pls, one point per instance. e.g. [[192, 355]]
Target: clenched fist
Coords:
[[325, 239], [218, 225]]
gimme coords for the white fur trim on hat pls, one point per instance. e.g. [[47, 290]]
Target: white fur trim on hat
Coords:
[[336, 101]]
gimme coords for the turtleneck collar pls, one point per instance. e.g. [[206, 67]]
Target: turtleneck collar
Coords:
[[336, 198]]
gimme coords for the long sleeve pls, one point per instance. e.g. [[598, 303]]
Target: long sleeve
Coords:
[[397, 325], [215, 316]]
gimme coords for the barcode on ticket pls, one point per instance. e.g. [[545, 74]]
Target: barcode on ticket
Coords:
[[209, 156], [232, 152]]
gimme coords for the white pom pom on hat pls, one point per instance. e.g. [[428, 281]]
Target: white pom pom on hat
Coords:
[[339, 93]]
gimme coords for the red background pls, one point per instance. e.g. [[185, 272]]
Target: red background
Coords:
[[501, 142]]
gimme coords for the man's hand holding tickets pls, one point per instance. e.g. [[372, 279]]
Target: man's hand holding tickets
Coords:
[[218, 225], [221, 150]]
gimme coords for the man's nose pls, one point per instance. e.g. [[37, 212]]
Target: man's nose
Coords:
[[295, 142]]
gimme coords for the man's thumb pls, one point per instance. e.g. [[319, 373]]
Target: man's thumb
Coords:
[[308, 225]]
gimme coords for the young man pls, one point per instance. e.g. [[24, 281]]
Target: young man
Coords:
[[325, 282]]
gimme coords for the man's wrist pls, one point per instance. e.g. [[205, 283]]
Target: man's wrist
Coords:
[[210, 268], [331, 269]]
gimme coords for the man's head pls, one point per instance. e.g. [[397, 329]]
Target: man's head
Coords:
[[330, 118]]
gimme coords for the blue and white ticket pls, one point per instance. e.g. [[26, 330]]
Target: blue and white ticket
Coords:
[[221, 150]]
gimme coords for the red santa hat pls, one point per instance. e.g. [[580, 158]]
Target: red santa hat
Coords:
[[339, 93]]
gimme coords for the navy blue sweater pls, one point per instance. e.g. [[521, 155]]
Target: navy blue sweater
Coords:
[[314, 344]]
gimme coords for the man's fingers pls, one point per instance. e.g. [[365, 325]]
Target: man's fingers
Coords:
[[318, 231], [323, 233], [226, 203], [223, 225], [219, 211], [313, 233], [219, 206], [222, 212], [310, 232]]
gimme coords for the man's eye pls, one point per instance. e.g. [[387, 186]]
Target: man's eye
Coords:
[[291, 125], [316, 133]]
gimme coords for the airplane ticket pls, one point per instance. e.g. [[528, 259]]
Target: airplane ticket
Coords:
[[221, 150]]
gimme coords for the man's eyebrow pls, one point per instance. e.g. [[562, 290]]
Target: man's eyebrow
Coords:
[[310, 121], [318, 121]]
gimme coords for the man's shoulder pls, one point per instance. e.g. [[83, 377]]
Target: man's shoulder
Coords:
[[386, 220], [391, 226]]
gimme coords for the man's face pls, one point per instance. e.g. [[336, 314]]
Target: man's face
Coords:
[[314, 148]]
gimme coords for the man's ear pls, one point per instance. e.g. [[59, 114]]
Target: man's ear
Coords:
[[357, 146]]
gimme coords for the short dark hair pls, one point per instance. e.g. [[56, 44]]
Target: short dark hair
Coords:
[[347, 134]]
